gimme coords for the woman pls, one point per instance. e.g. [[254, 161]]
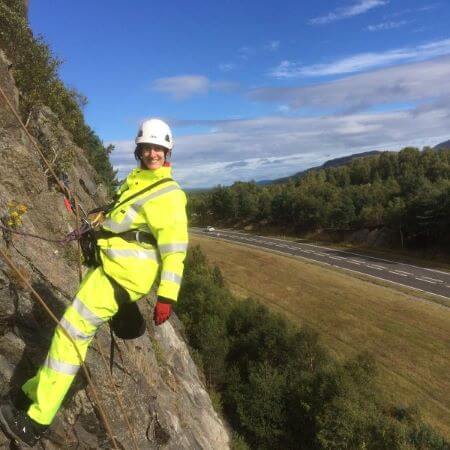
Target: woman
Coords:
[[140, 235]]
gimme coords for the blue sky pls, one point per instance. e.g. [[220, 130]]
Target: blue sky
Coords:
[[256, 90]]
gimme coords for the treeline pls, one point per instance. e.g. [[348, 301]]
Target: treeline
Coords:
[[276, 384], [407, 192], [35, 71]]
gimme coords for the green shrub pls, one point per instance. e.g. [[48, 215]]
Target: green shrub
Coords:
[[277, 385], [35, 70], [238, 442]]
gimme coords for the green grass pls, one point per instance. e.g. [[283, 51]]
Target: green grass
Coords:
[[407, 334]]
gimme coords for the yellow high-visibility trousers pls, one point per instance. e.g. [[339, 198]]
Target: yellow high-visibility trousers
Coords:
[[94, 304]]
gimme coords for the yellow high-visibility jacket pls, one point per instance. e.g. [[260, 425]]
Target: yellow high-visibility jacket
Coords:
[[161, 211]]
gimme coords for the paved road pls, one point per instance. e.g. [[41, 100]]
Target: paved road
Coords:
[[427, 280]]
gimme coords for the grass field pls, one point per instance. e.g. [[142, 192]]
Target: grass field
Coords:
[[408, 335]]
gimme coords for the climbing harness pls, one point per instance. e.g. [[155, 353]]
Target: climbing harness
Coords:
[[76, 234], [88, 239], [89, 249], [108, 208]]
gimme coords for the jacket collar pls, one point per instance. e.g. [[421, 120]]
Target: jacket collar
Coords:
[[146, 176]]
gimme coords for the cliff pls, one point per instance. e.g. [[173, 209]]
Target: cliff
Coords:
[[165, 399]]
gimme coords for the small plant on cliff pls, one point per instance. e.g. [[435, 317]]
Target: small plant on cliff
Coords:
[[13, 217]]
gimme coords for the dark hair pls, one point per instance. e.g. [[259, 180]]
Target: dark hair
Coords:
[[137, 152], [139, 147]]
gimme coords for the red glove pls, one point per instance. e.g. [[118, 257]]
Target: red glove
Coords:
[[161, 312]]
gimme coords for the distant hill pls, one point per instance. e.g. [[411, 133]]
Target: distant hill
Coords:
[[200, 190], [331, 163], [442, 145]]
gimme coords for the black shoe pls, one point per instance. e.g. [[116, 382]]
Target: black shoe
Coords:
[[17, 425], [19, 399]]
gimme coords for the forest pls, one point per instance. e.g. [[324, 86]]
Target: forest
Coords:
[[276, 384], [406, 192]]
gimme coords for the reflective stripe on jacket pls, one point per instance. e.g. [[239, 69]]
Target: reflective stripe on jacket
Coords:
[[162, 211]]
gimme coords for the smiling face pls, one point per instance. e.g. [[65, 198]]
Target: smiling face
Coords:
[[152, 156]]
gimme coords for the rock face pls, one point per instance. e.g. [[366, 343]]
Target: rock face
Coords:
[[163, 395]]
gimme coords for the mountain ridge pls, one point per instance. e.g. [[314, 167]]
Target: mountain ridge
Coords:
[[335, 162]]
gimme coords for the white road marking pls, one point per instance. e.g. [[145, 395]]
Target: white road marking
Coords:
[[404, 273], [393, 282], [359, 254], [354, 262], [433, 279], [427, 281], [375, 267], [355, 271], [398, 273]]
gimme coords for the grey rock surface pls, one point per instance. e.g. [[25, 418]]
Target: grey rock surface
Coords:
[[163, 394]]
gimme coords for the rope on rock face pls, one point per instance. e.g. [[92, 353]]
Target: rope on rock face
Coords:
[[77, 226], [13, 267], [76, 234], [118, 396], [97, 344], [64, 189], [73, 235]]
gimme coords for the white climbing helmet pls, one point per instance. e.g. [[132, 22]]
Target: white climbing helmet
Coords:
[[155, 131]]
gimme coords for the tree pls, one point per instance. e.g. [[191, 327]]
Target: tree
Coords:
[[261, 410], [360, 171], [341, 213], [224, 203], [396, 216]]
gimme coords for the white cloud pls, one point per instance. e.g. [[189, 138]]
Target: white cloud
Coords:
[[271, 147], [272, 46], [363, 61], [406, 83], [226, 67], [182, 87], [185, 86], [361, 7], [387, 25], [280, 145], [245, 52], [284, 108], [406, 11]]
